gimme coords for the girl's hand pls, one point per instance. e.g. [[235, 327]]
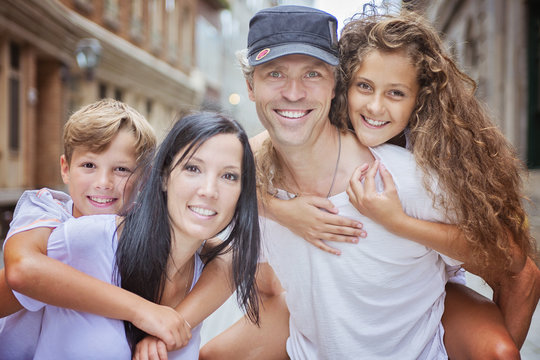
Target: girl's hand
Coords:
[[385, 207], [150, 348], [164, 323], [315, 219]]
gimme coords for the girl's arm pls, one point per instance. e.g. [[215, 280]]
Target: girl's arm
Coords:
[[385, 208], [315, 219], [30, 272]]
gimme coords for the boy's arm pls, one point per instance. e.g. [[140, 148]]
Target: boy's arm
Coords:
[[8, 302], [30, 272]]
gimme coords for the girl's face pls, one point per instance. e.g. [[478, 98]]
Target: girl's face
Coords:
[[202, 191], [382, 96]]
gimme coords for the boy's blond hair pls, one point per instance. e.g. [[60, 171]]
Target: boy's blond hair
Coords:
[[94, 126]]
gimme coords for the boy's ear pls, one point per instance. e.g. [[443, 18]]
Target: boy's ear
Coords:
[[64, 169]]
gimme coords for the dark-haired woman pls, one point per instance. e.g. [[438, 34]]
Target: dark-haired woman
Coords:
[[201, 181]]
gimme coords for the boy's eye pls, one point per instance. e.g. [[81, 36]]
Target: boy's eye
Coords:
[[123, 169], [88, 165], [231, 176]]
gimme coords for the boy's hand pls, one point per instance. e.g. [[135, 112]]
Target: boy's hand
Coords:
[[164, 323], [150, 348]]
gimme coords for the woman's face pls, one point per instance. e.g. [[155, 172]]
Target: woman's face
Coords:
[[382, 96], [202, 191]]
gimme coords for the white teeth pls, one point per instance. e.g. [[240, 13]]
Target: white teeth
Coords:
[[374, 122], [202, 211], [101, 200], [291, 114]]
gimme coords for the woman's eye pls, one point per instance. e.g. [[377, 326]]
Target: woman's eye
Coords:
[[274, 74], [191, 168], [231, 176], [312, 74], [364, 86]]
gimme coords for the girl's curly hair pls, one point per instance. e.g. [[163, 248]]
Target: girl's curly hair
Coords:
[[450, 134]]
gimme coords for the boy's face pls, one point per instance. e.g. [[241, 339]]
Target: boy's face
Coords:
[[98, 183]]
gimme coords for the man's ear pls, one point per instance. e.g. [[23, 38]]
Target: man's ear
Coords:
[[251, 95], [64, 169]]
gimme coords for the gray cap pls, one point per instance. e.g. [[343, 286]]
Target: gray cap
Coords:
[[290, 29]]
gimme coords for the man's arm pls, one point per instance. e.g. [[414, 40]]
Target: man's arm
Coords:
[[244, 340]]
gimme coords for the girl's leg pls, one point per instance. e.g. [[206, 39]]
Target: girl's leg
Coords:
[[474, 327], [246, 341]]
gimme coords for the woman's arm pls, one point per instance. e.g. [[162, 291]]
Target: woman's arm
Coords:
[[385, 208], [32, 273]]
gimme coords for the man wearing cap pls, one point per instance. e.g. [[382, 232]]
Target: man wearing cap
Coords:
[[383, 297]]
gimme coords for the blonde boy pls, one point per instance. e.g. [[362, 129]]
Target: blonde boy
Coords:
[[103, 143]]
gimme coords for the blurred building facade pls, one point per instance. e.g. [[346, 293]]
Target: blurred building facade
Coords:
[[146, 57], [497, 42]]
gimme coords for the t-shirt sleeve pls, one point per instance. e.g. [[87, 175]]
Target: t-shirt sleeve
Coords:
[[40, 208]]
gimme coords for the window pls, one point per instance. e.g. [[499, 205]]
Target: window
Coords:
[[173, 17], [187, 33], [155, 11], [14, 97], [136, 29]]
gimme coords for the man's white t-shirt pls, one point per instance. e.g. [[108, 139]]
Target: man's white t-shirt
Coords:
[[383, 298]]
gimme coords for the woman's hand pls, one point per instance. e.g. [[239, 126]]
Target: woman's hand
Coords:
[[385, 207], [150, 348], [164, 323], [315, 219]]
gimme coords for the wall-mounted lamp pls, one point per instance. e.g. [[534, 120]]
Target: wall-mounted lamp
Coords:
[[88, 54]]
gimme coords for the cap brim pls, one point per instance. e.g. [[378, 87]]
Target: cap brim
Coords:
[[271, 53]]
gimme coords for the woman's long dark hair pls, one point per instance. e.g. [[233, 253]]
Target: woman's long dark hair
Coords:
[[145, 242]]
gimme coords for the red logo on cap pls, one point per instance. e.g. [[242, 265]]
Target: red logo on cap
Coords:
[[262, 54]]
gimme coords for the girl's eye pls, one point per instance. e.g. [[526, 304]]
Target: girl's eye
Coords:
[[191, 168], [231, 176], [88, 166], [397, 93]]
